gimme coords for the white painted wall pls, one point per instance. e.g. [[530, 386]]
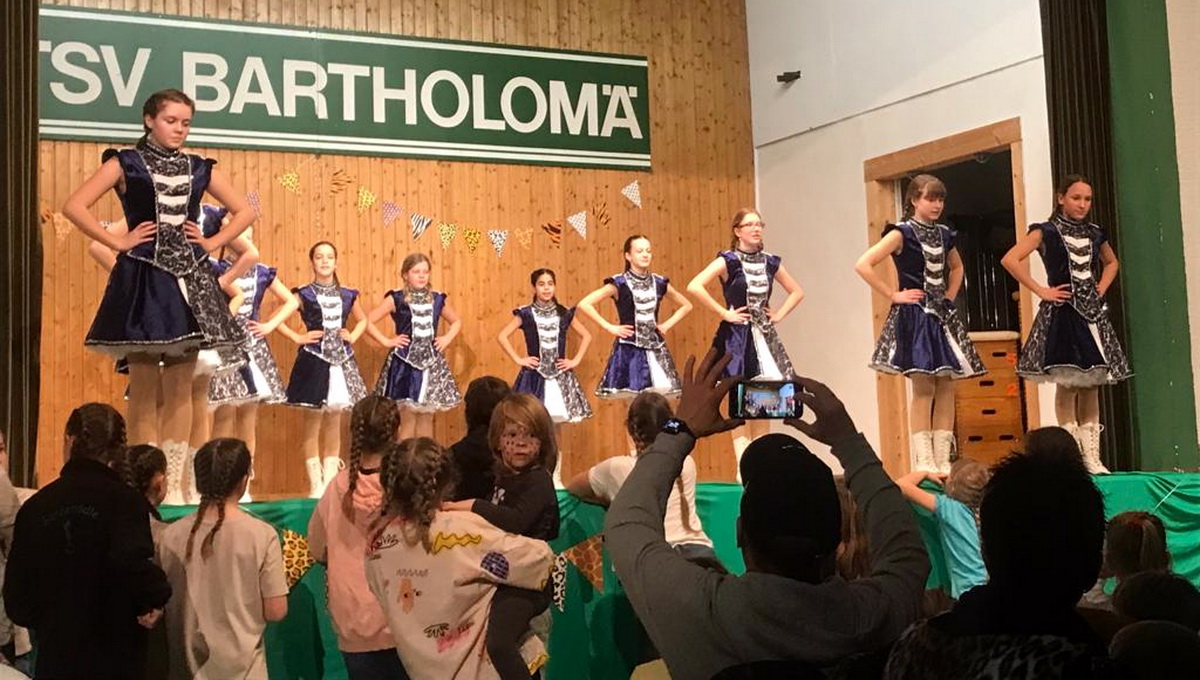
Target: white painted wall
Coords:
[[879, 76], [1183, 24]]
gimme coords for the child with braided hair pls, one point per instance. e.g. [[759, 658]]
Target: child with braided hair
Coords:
[[144, 469], [226, 568], [338, 535], [436, 573]]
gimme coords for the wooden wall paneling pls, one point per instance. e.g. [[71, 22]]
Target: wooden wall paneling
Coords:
[[1025, 300], [892, 390], [703, 171]]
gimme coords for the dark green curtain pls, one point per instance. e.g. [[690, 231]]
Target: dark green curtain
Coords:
[[20, 239], [1075, 48]]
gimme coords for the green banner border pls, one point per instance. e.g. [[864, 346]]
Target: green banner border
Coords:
[[69, 129]]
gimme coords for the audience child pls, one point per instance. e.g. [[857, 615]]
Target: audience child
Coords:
[[648, 412], [226, 567], [853, 553], [524, 503], [1156, 650], [1160, 596], [80, 573], [436, 574], [338, 536], [472, 455], [1135, 541], [957, 515]]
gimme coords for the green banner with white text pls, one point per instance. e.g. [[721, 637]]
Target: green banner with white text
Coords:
[[260, 86]]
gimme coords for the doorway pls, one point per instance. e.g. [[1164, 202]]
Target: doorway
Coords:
[[983, 173]]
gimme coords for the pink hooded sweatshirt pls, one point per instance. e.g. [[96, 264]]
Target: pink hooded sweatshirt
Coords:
[[341, 543]]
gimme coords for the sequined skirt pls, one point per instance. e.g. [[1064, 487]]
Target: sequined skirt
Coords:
[[563, 395], [316, 383], [632, 369], [430, 389], [916, 342], [1064, 348]]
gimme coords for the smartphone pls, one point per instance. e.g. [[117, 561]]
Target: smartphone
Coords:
[[762, 399]]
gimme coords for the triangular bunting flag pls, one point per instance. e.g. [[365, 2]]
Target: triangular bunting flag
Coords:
[[524, 236], [633, 192], [390, 212], [297, 560], [365, 200], [579, 222], [419, 224], [290, 181], [472, 235], [600, 212], [498, 237], [338, 181], [446, 232], [554, 231], [588, 559]]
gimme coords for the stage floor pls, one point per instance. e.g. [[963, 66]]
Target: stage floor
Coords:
[[596, 634]]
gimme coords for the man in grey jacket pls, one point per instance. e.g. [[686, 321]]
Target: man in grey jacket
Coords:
[[788, 605]]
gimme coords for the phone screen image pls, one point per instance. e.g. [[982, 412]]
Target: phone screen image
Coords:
[[759, 399]]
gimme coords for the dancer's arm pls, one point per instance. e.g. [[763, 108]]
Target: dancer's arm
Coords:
[[588, 306], [247, 257], [506, 345], [955, 277], [585, 339], [290, 304], [698, 290], [443, 341], [1014, 262], [241, 215], [354, 334], [1111, 265], [794, 291], [236, 299], [381, 311], [79, 204], [877, 253], [684, 308], [102, 254]]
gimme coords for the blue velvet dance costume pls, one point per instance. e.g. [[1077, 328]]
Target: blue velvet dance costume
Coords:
[[417, 375], [162, 298], [757, 351], [259, 379], [325, 374], [925, 337], [642, 361], [1072, 343], [545, 329]]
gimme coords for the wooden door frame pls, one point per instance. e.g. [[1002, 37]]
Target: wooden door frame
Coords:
[[880, 175]]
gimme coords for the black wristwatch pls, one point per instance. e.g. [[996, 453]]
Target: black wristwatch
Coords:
[[677, 426]]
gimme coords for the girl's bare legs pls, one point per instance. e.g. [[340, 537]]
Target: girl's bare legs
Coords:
[[144, 376], [225, 422], [247, 430], [201, 432], [920, 422], [424, 424], [331, 446], [942, 422], [408, 423], [311, 449]]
